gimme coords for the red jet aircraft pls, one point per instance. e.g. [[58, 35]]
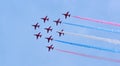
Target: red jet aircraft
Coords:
[[66, 14], [60, 32], [45, 18], [36, 26], [58, 21], [48, 29], [50, 47], [38, 35], [49, 38]]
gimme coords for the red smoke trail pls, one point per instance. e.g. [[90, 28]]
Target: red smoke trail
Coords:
[[98, 21], [89, 56]]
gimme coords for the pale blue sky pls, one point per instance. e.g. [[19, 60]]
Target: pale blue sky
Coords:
[[18, 46]]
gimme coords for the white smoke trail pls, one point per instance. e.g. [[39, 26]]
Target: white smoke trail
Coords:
[[114, 41]]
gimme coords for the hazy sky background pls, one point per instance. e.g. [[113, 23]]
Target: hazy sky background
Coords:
[[19, 47]]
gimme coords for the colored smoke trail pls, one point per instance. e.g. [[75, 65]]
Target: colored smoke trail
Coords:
[[88, 46], [89, 56], [98, 21], [114, 41], [96, 28]]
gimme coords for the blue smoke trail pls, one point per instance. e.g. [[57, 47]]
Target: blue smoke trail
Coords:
[[89, 27], [87, 46]]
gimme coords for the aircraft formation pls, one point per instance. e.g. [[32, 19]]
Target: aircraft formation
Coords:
[[61, 32], [49, 29]]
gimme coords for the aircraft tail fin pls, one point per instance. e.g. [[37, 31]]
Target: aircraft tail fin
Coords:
[[63, 33], [51, 30], [48, 19], [69, 15], [38, 26], [52, 48], [40, 35], [51, 39], [60, 22]]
